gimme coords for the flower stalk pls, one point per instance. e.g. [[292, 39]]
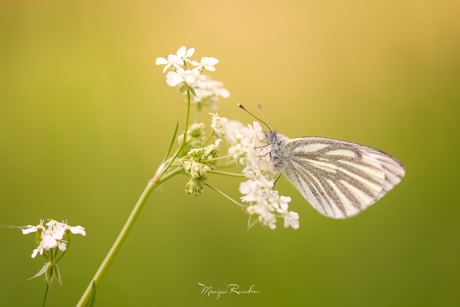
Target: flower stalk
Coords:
[[120, 239], [161, 175]]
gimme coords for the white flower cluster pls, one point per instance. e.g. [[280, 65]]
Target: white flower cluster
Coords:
[[188, 74], [56, 235], [247, 146]]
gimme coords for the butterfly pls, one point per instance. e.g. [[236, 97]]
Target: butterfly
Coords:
[[338, 178]]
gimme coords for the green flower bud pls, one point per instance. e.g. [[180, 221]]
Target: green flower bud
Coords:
[[195, 138], [195, 187]]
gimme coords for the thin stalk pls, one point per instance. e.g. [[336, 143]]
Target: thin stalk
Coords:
[[121, 238], [46, 294], [157, 179], [224, 195], [227, 174], [185, 132]]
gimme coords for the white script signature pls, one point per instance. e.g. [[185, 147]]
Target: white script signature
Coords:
[[231, 289]]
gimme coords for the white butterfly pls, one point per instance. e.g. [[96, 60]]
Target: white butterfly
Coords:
[[338, 178]]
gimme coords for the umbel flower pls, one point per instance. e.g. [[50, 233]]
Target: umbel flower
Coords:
[[246, 145], [248, 149], [189, 75], [55, 237]]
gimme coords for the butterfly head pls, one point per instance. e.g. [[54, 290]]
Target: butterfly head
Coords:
[[270, 136], [274, 145], [274, 138]]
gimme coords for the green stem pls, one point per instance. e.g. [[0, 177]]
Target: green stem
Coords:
[[122, 236], [157, 180], [224, 195], [185, 132], [186, 119], [209, 138], [227, 174], [62, 254], [221, 158], [169, 175], [46, 294]]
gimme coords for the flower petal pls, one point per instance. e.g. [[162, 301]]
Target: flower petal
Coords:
[[161, 61], [78, 230]]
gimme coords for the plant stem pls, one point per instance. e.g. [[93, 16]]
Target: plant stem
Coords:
[[157, 179], [223, 194], [121, 237], [46, 294], [227, 174], [185, 133]]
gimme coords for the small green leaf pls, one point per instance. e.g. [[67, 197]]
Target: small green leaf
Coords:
[[252, 220], [92, 297], [172, 142], [192, 91], [183, 88]]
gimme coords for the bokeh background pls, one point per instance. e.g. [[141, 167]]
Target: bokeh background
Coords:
[[86, 116]]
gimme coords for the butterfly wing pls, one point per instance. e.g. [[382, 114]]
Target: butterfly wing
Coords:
[[338, 178]]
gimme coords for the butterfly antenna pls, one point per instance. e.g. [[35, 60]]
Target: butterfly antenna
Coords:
[[262, 121], [263, 114]]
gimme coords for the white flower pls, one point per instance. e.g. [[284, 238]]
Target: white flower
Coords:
[[54, 236], [265, 215], [252, 189], [174, 78], [176, 60], [171, 61], [29, 228], [259, 192], [218, 125], [217, 88], [78, 230], [183, 54], [192, 78], [291, 218], [207, 63], [211, 93], [247, 146], [206, 92], [231, 126], [36, 251]]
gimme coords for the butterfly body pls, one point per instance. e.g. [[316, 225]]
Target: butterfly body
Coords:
[[338, 178], [277, 153]]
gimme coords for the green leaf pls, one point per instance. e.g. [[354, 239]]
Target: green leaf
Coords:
[[92, 297], [252, 221], [172, 142], [183, 88], [192, 91]]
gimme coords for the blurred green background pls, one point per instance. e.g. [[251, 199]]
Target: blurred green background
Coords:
[[86, 117]]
